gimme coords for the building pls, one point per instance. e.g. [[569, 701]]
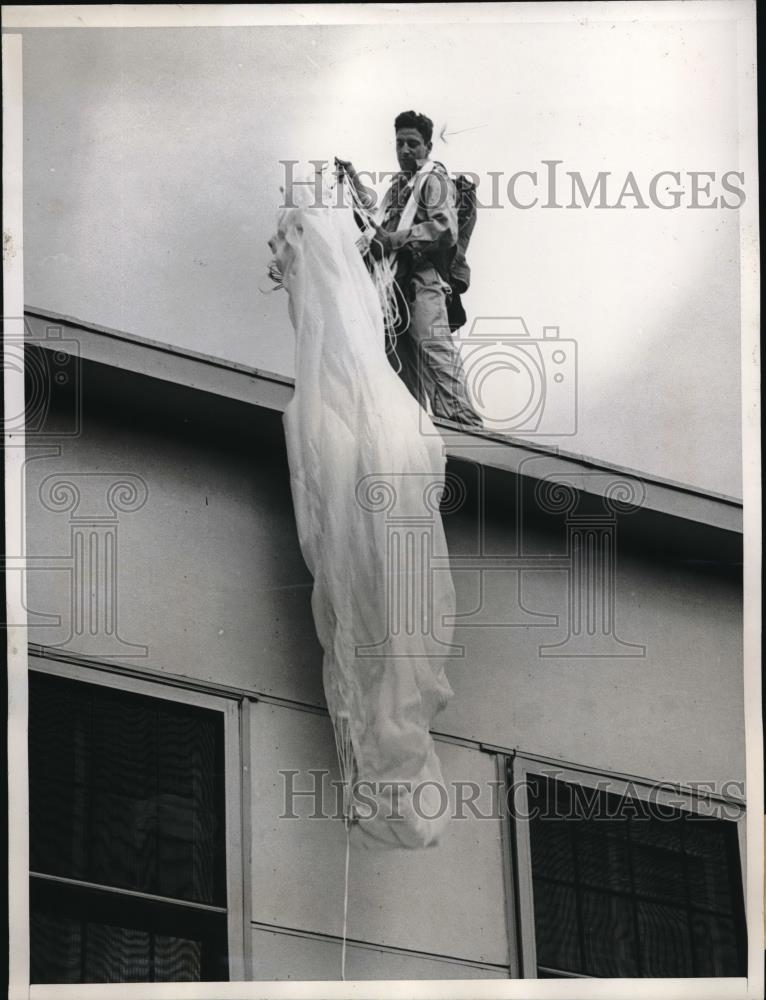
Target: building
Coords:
[[176, 699]]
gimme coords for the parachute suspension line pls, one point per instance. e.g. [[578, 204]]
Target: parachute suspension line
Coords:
[[393, 304], [347, 764], [346, 761], [345, 902], [386, 286], [275, 274]]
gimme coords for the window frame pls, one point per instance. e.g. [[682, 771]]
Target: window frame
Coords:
[[519, 765], [236, 859]]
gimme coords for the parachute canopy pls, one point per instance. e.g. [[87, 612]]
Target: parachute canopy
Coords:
[[367, 471]]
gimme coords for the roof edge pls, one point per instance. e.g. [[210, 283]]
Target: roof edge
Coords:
[[259, 387]]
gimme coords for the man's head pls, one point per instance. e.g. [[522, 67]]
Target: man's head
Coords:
[[413, 139]]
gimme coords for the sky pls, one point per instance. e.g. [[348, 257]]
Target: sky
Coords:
[[153, 160]]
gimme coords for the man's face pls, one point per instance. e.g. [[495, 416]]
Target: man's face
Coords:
[[410, 149]]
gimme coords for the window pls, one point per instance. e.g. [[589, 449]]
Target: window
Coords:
[[624, 882], [133, 838]]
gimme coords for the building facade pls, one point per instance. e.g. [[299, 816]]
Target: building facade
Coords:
[[183, 816]]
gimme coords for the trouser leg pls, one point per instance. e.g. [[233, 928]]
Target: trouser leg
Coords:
[[441, 372], [405, 363]]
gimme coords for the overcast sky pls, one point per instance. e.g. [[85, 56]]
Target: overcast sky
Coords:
[[152, 174]]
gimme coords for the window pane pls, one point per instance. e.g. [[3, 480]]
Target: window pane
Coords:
[[177, 959], [126, 790], [624, 889], [715, 945], [665, 944], [659, 874], [58, 814], [713, 863], [608, 935], [552, 850], [117, 954], [65, 950], [79, 934], [122, 841], [602, 859], [556, 928], [56, 948]]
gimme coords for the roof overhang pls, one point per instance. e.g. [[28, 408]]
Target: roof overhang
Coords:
[[130, 355]]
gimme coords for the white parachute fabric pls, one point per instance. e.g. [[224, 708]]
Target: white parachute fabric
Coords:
[[367, 471]]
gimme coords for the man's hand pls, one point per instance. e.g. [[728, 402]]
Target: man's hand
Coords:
[[345, 167], [381, 243]]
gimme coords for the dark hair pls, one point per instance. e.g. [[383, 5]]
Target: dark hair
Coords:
[[411, 119]]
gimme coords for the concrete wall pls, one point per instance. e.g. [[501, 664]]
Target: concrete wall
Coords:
[[210, 580], [447, 900]]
